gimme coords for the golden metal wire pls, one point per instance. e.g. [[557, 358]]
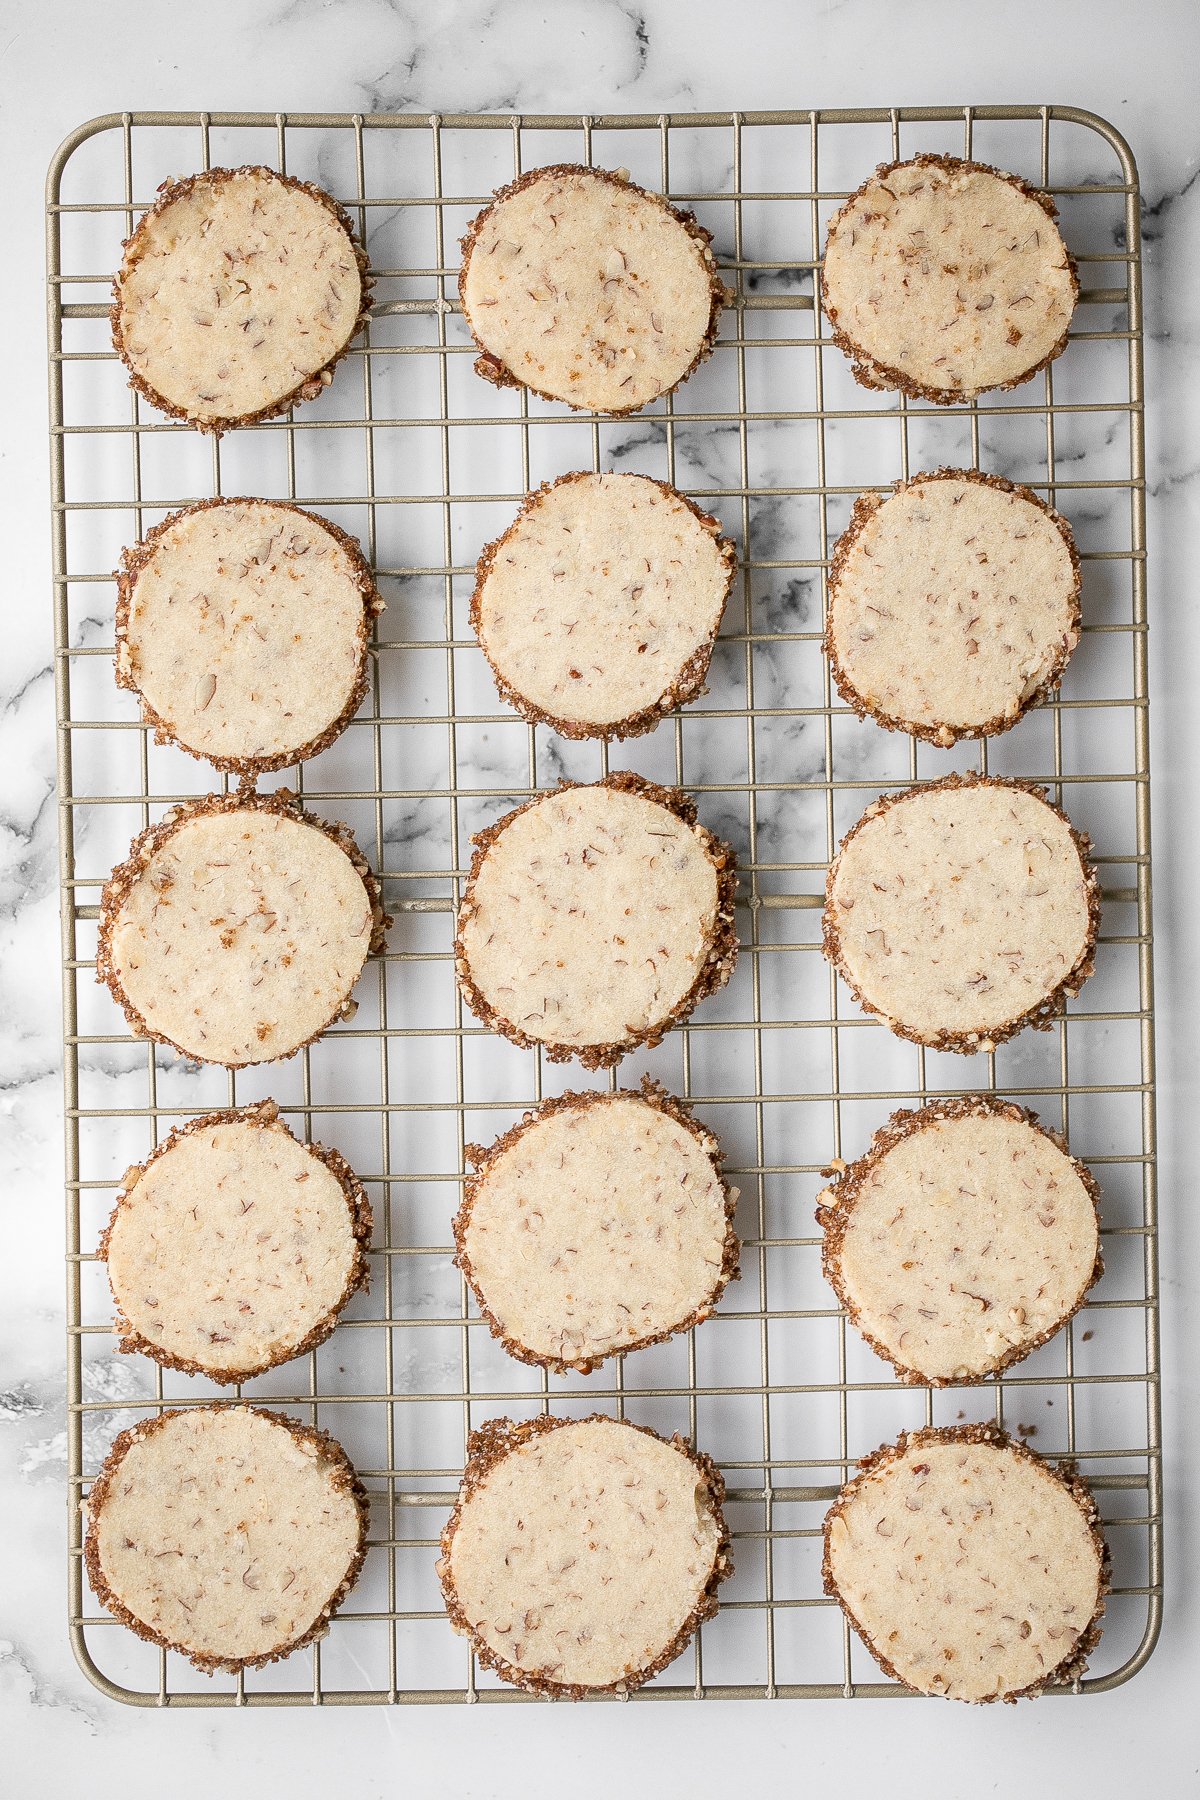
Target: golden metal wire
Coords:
[[777, 1496]]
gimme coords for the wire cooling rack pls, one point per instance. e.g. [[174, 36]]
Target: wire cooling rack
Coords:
[[411, 451]]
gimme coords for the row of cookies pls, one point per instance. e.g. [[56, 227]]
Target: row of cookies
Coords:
[[241, 290], [963, 1238], [582, 1554], [959, 912], [233, 1534], [243, 625]]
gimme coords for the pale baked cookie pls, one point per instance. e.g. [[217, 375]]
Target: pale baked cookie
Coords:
[[964, 1238], [237, 928], [583, 1553], [238, 293], [599, 607], [234, 1247], [953, 605], [582, 286], [225, 1532], [944, 278], [969, 1566], [962, 910], [242, 626], [595, 918], [599, 1224]]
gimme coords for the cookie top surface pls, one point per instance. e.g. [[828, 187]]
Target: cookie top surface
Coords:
[[953, 605], [235, 1247], [962, 910], [598, 608], [582, 1554], [964, 1238], [597, 1225], [970, 1567], [945, 278], [586, 288], [237, 929], [228, 1533], [595, 917], [243, 626], [236, 290]]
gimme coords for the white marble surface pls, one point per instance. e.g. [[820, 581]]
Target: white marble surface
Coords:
[[61, 63]]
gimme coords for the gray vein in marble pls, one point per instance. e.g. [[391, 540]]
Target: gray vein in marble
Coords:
[[1157, 210], [20, 1402], [19, 1674], [483, 57], [1167, 484], [109, 1377]]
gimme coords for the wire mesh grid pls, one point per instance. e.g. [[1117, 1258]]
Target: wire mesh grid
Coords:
[[424, 462]]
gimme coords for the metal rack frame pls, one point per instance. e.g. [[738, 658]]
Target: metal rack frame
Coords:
[[768, 1481]]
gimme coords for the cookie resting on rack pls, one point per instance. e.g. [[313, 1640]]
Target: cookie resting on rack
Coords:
[[595, 918], [598, 608], [953, 605], [242, 626], [597, 1225], [227, 1533], [583, 1553], [238, 293], [582, 286], [963, 1239], [970, 1567], [234, 1247], [962, 910], [237, 928], [944, 278]]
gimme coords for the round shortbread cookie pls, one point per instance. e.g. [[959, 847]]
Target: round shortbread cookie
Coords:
[[234, 1247], [237, 928], [599, 607], [962, 910], [595, 918], [583, 1553], [944, 278], [598, 1224], [242, 625], [225, 1532], [965, 1237], [238, 292], [582, 286], [953, 605], [969, 1566]]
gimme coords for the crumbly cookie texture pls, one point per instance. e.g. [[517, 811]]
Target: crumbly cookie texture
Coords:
[[599, 606], [225, 1532], [242, 626], [583, 1554], [944, 278], [969, 1566], [595, 918], [962, 910], [234, 1247], [599, 1224], [582, 286], [964, 1238], [953, 605], [238, 293], [237, 928]]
